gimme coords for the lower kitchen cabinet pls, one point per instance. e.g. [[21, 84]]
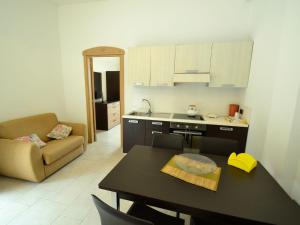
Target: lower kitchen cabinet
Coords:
[[133, 133], [155, 127], [228, 132], [140, 132]]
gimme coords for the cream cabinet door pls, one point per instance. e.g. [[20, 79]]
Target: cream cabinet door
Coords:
[[193, 59], [230, 64], [139, 66], [162, 66]]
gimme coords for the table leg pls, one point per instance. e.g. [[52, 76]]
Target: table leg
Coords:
[[115, 200], [118, 201]]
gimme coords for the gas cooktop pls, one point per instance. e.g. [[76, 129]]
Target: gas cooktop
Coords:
[[186, 117]]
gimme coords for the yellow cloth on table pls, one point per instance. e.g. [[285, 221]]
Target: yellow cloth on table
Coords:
[[209, 181]]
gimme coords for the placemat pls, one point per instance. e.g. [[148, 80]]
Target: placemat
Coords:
[[208, 181]]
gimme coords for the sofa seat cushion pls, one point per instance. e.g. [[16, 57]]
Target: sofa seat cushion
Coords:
[[56, 149]]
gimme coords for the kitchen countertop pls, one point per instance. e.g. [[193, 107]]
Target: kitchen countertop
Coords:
[[220, 120]]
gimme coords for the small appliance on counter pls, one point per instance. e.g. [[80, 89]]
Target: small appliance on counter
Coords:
[[233, 108], [192, 110]]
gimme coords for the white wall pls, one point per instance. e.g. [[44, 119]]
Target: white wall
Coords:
[[106, 64], [140, 22], [279, 154], [273, 91], [258, 95], [292, 173], [30, 71]]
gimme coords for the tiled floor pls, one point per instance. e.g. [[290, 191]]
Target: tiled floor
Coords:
[[64, 198]]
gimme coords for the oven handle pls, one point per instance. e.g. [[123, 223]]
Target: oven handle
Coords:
[[156, 132], [187, 132]]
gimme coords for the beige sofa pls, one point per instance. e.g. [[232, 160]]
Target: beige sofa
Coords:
[[25, 160]]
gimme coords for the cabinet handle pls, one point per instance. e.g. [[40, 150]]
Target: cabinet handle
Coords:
[[157, 123], [227, 85], [226, 129], [133, 121], [139, 83], [156, 132]]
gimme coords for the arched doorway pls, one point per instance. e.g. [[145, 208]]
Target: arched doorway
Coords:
[[88, 55]]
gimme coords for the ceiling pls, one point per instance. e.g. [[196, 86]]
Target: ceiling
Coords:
[[64, 2]]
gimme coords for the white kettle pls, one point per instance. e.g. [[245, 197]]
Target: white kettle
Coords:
[[192, 110]]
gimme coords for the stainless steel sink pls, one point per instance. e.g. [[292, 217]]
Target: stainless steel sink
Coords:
[[139, 114], [158, 115], [161, 115]]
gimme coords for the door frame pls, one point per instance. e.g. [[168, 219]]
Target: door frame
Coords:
[[88, 55]]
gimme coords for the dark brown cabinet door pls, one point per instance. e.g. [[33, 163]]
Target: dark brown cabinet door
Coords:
[[113, 85], [154, 126], [101, 116], [228, 132], [134, 133]]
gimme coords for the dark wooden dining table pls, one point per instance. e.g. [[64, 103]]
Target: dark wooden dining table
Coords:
[[252, 198]]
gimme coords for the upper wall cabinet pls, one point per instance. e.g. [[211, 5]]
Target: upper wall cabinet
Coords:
[[139, 65], [221, 64], [162, 66], [230, 64], [193, 59]]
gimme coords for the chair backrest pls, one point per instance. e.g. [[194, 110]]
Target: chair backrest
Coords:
[[111, 216], [218, 146], [169, 141]]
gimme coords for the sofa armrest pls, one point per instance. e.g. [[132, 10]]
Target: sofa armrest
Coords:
[[21, 160], [78, 129]]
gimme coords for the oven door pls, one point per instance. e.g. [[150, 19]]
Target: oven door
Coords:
[[192, 138]]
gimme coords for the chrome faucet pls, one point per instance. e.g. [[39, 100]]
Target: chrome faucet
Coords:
[[148, 102]]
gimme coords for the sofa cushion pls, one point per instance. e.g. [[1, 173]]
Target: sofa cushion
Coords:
[[33, 138], [39, 124], [59, 132], [56, 149]]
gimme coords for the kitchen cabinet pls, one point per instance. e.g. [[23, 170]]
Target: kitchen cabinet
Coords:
[[139, 66], [193, 59], [230, 64], [229, 132], [133, 133], [140, 132], [155, 127], [162, 66]]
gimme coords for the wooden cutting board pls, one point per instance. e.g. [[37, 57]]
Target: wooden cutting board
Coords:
[[208, 181]]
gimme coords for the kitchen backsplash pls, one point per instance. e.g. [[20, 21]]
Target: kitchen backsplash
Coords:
[[177, 99]]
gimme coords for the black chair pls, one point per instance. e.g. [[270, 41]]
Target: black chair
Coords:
[[169, 141], [219, 146], [138, 214]]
